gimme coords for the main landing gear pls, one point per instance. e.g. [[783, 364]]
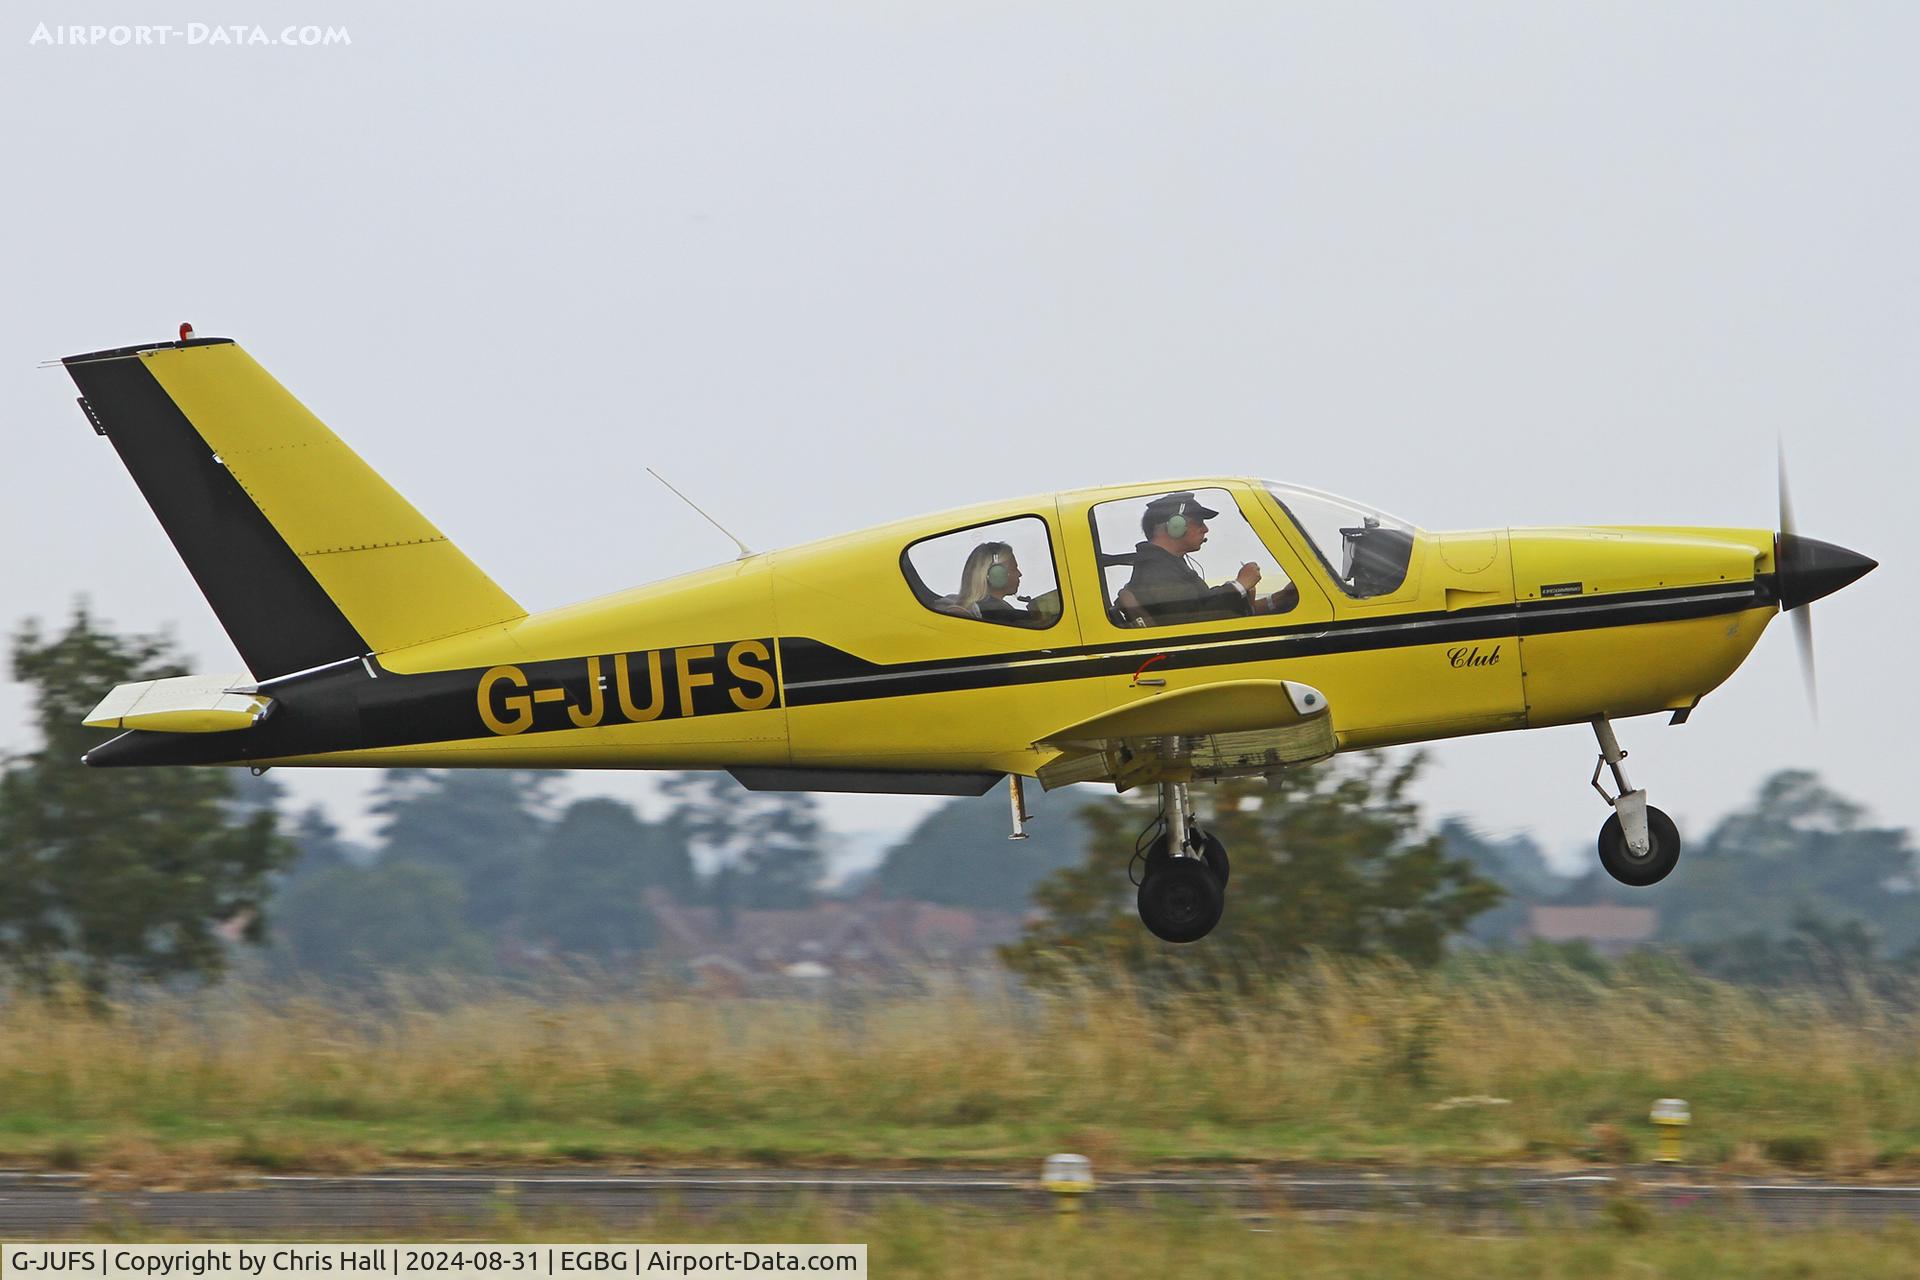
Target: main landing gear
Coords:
[[1183, 890], [1639, 844]]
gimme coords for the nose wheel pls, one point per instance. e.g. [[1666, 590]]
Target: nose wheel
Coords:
[[1639, 845], [1183, 891], [1626, 865]]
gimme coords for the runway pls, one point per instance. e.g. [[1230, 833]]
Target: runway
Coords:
[[438, 1204]]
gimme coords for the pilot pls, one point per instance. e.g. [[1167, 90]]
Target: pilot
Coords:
[[987, 584], [1164, 586]]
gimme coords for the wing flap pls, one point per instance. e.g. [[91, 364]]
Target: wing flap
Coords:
[[1234, 728], [1229, 706]]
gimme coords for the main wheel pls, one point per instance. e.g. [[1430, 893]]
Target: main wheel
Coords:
[[1211, 851], [1640, 870], [1181, 901]]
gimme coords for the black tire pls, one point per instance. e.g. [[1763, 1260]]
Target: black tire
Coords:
[[1181, 901], [1211, 850], [1628, 867]]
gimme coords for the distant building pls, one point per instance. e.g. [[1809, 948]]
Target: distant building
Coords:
[[830, 943], [1609, 930]]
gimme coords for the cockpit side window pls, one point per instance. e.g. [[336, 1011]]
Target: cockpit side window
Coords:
[[1366, 551], [1187, 556], [1001, 573]]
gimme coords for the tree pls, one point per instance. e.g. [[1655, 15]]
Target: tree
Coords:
[[1515, 864], [1814, 952], [783, 862], [589, 879], [768, 841], [1798, 852], [1330, 859], [318, 844], [959, 856], [122, 871], [356, 923], [483, 826]]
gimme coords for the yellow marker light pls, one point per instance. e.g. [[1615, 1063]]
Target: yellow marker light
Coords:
[[1673, 1117], [1068, 1177]]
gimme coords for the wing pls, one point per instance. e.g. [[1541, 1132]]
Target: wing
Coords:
[[1233, 728]]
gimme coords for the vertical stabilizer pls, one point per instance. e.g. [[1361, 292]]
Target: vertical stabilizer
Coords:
[[306, 555]]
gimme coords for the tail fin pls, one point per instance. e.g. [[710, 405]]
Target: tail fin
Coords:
[[306, 555]]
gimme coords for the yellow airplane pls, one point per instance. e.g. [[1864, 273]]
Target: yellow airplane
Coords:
[[1069, 637]]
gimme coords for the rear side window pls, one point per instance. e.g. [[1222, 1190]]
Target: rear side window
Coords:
[[1000, 573]]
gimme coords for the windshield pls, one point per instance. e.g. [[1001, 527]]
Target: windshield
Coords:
[[1364, 548]]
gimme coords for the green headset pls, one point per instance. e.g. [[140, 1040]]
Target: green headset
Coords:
[[998, 574], [1177, 522]]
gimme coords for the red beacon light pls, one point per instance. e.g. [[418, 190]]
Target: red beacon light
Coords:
[[186, 331]]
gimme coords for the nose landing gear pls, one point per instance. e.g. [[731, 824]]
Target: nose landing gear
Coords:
[[1639, 844], [1183, 891]]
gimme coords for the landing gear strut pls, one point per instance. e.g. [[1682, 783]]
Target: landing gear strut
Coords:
[[1184, 889], [1639, 844]]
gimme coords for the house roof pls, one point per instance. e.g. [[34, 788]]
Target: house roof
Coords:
[[1597, 923]]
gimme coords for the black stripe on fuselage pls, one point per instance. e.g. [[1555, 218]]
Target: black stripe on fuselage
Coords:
[[347, 706], [359, 705], [817, 674]]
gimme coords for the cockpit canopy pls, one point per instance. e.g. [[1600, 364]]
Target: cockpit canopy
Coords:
[[1163, 558]]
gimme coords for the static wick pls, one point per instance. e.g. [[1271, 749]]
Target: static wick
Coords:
[[745, 550]]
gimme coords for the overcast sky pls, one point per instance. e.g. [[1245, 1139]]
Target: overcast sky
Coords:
[[827, 265]]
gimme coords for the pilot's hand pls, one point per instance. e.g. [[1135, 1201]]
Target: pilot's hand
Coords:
[[1249, 576], [1280, 601]]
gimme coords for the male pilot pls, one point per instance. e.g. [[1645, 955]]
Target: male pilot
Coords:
[[1164, 587]]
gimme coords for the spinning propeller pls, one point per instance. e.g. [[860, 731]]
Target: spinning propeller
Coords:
[[1808, 569]]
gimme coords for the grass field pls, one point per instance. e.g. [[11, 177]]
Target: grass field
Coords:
[[914, 1241], [1543, 1067]]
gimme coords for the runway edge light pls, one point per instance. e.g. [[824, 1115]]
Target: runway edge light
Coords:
[[1673, 1116], [1067, 1177]]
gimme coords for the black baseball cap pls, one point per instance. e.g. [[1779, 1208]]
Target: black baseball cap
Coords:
[[1168, 505]]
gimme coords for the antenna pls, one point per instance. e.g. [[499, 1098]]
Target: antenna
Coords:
[[745, 551]]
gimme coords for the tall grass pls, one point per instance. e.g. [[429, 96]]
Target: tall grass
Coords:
[[1333, 1063]]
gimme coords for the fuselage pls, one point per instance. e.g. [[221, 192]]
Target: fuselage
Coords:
[[832, 655]]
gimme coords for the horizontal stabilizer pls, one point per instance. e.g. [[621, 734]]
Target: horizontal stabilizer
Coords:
[[183, 704]]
